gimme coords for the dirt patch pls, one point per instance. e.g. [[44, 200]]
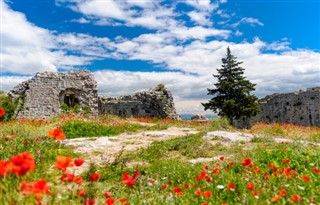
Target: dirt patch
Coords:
[[104, 150]]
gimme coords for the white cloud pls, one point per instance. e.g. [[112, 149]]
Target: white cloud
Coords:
[[251, 21], [279, 46], [201, 18], [81, 20], [198, 33], [27, 48], [174, 46], [248, 20], [202, 5], [191, 107], [108, 9], [115, 83], [223, 14], [238, 33], [26, 42], [7, 83]]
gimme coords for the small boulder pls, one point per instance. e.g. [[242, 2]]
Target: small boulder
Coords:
[[199, 117]]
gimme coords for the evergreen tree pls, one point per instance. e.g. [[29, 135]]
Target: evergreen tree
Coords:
[[232, 97]]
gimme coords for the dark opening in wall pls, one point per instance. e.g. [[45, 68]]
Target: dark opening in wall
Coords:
[[71, 100]]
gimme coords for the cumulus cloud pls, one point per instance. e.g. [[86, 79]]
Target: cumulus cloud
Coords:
[[201, 18], [7, 83], [27, 48], [115, 83], [188, 54], [25, 42]]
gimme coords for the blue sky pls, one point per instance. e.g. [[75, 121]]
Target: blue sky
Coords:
[[132, 45]]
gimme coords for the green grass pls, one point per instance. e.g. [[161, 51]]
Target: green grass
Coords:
[[165, 163]]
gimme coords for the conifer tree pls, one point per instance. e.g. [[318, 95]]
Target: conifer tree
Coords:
[[231, 95]]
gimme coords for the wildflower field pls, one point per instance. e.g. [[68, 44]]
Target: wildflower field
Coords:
[[36, 167]]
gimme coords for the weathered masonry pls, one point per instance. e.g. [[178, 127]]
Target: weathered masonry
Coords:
[[157, 102], [300, 107], [43, 95]]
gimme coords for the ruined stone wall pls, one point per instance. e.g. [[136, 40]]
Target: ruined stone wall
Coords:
[[43, 95], [301, 108], [156, 102]]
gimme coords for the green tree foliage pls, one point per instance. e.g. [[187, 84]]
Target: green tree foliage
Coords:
[[232, 97], [9, 106]]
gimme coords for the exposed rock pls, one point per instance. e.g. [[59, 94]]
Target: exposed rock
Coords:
[[103, 150], [199, 117], [301, 108], [245, 137], [43, 95], [157, 102]]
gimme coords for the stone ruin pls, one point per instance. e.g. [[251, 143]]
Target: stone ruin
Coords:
[[43, 95], [300, 107], [157, 102]]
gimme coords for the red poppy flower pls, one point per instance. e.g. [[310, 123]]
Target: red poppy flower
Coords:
[[177, 191], [231, 187], [63, 163], [4, 168], [89, 201], [221, 158], [94, 176], [250, 186], [163, 186], [67, 177], [198, 192], [57, 134], [276, 198], [26, 187], [78, 180], [246, 162], [296, 198], [207, 194], [122, 200], [38, 187], [283, 192], [81, 193], [22, 163], [1, 112], [255, 193], [305, 178], [107, 194], [286, 161], [78, 162], [215, 171], [316, 170], [130, 181], [41, 186], [110, 201]]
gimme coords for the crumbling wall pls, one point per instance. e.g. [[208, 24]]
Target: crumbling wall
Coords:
[[157, 102], [43, 95], [301, 108]]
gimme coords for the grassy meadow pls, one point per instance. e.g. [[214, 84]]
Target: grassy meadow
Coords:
[[37, 168]]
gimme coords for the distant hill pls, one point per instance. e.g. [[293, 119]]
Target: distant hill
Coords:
[[187, 116]]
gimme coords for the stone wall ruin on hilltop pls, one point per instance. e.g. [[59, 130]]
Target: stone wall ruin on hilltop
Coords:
[[157, 102], [300, 107], [43, 95]]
